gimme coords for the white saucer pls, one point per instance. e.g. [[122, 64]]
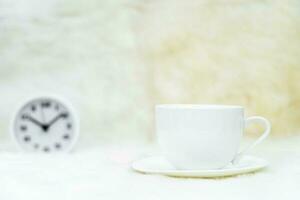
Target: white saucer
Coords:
[[158, 165]]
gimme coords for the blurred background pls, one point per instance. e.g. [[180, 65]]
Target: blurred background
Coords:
[[114, 60]]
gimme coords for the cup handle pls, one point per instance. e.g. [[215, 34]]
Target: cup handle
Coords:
[[249, 120]]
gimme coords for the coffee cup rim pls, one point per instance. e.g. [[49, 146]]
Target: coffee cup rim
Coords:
[[198, 106]]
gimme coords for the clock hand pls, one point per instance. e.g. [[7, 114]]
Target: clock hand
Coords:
[[33, 120], [43, 114], [56, 118]]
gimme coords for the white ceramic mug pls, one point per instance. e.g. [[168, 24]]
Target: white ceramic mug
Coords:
[[194, 137]]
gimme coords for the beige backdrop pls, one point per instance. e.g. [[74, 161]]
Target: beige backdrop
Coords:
[[116, 59], [232, 52]]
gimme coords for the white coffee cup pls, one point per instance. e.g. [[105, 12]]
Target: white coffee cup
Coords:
[[194, 137]]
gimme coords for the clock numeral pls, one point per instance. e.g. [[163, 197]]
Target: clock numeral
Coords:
[[24, 116], [57, 146], [33, 108], [23, 128], [69, 126], [46, 104], [65, 115], [66, 137], [46, 149], [27, 138]]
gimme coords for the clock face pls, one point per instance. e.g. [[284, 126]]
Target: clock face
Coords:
[[45, 125]]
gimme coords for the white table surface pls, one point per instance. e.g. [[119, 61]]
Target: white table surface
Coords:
[[102, 172]]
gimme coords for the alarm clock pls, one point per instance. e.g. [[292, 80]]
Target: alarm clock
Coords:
[[45, 124]]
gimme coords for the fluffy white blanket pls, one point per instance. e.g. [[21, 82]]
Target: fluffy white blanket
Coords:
[[102, 171]]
